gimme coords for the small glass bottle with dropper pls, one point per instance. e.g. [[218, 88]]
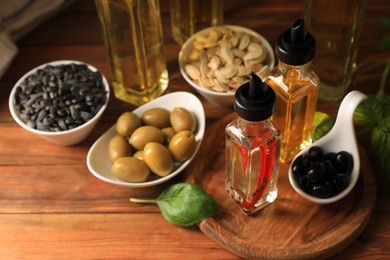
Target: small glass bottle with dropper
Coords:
[[252, 148], [296, 87]]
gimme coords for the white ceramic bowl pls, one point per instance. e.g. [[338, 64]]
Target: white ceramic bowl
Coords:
[[66, 137], [216, 97], [98, 161]]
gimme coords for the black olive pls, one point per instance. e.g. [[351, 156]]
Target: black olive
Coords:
[[315, 153], [324, 190], [341, 181], [316, 172], [330, 157], [344, 162], [329, 170], [305, 183], [300, 165]]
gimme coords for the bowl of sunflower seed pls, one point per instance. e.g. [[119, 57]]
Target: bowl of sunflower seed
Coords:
[[219, 59], [60, 101]]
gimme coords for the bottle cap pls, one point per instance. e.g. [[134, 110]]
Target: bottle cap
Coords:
[[295, 46], [254, 100]]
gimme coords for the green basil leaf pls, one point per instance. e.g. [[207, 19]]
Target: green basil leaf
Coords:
[[186, 204], [384, 43], [384, 100], [386, 22], [369, 111], [322, 124], [380, 139]]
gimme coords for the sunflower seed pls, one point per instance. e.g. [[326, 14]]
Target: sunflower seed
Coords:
[[61, 97]]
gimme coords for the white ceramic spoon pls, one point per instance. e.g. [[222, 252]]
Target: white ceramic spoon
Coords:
[[340, 138]]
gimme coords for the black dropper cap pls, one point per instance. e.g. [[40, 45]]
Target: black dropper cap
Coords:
[[255, 100], [295, 46]]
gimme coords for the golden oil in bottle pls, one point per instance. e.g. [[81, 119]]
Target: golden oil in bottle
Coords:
[[296, 87], [133, 37], [294, 108], [190, 16]]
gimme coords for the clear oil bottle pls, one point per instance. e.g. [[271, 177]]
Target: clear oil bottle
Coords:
[[191, 16], [252, 148], [133, 36], [296, 87]]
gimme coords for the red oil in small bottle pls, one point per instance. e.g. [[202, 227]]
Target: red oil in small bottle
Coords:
[[252, 148]]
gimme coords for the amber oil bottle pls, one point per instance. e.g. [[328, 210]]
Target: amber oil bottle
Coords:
[[296, 87]]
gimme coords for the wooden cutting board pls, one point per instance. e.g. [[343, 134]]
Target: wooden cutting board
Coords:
[[291, 227]]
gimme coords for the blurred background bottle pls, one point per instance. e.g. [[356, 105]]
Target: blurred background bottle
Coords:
[[336, 25], [190, 16], [133, 37]]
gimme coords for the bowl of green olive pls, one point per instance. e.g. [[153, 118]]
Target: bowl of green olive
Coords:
[[151, 144]]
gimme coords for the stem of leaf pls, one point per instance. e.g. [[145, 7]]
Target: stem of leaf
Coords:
[[384, 78], [143, 200], [360, 133]]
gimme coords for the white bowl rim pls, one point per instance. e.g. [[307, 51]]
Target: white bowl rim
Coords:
[[20, 122], [233, 27], [179, 95]]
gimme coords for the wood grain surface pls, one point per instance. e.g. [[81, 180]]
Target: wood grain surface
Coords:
[[51, 206], [291, 227]]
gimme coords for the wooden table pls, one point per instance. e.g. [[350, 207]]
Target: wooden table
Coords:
[[52, 207]]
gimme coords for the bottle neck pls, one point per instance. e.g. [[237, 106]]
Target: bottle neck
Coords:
[[253, 128], [299, 71], [303, 67]]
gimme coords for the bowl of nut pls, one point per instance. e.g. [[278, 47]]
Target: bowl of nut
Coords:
[[217, 60], [60, 101], [151, 144]]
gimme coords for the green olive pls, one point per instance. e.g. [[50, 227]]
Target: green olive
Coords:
[[158, 158], [139, 155], [130, 169], [158, 117], [182, 146], [168, 133], [182, 119], [145, 134], [127, 123], [118, 147]]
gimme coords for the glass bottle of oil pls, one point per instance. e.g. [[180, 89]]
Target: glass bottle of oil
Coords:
[[252, 148], [338, 39], [190, 16], [133, 37], [296, 87]]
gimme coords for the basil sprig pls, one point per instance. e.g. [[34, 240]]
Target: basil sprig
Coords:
[[184, 204], [374, 114], [322, 124]]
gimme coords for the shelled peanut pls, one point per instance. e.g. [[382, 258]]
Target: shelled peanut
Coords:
[[223, 59]]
